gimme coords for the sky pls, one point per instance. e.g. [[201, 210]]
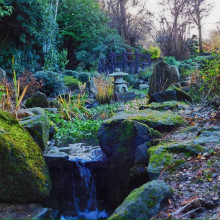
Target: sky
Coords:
[[209, 23]]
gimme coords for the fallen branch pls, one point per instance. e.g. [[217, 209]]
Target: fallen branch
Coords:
[[196, 203]]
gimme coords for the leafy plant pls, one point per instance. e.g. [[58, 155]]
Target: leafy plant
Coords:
[[75, 130], [52, 82], [171, 61], [73, 107], [105, 90], [71, 82], [211, 78]]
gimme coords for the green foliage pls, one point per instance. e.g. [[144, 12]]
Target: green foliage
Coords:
[[4, 9], [76, 130], [154, 52], [171, 61], [211, 78], [146, 74], [55, 61], [84, 77], [52, 82], [84, 27], [105, 111], [73, 106], [71, 82], [75, 74], [28, 33]]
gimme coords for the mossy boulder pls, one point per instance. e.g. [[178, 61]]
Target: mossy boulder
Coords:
[[120, 139], [24, 175], [38, 126], [174, 94], [159, 120], [143, 202], [163, 76], [37, 100], [163, 155], [180, 94], [168, 105]]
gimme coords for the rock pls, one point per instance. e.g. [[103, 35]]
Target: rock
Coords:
[[163, 76], [143, 86], [92, 87], [24, 176], [169, 95], [124, 96], [119, 140], [168, 105], [141, 154], [182, 95], [138, 175], [2, 74], [25, 211], [208, 135], [173, 94], [158, 120], [37, 100], [37, 125], [143, 202], [162, 155]]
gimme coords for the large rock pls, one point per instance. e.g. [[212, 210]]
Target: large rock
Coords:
[[37, 100], [174, 94], [37, 125], [120, 140], [163, 155], [163, 76], [143, 202], [2, 74], [23, 171], [159, 120]]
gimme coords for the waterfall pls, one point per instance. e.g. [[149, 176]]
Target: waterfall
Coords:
[[86, 206]]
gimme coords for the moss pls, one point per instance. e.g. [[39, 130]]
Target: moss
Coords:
[[24, 174], [155, 118], [163, 158], [166, 105]]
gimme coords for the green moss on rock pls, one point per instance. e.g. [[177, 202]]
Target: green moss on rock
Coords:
[[159, 120], [169, 105], [143, 202], [24, 174], [161, 156]]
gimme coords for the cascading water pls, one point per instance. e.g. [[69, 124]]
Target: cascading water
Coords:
[[90, 210], [79, 199]]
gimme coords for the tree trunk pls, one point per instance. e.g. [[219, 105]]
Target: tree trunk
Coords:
[[124, 26], [200, 35]]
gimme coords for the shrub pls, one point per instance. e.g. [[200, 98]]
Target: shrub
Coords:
[[71, 82], [52, 82], [75, 74], [131, 79], [83, 77], [171, 61], [146, 74], [154, 52], [211, 78]]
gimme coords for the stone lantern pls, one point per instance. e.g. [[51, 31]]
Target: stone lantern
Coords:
[[119, 84]]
